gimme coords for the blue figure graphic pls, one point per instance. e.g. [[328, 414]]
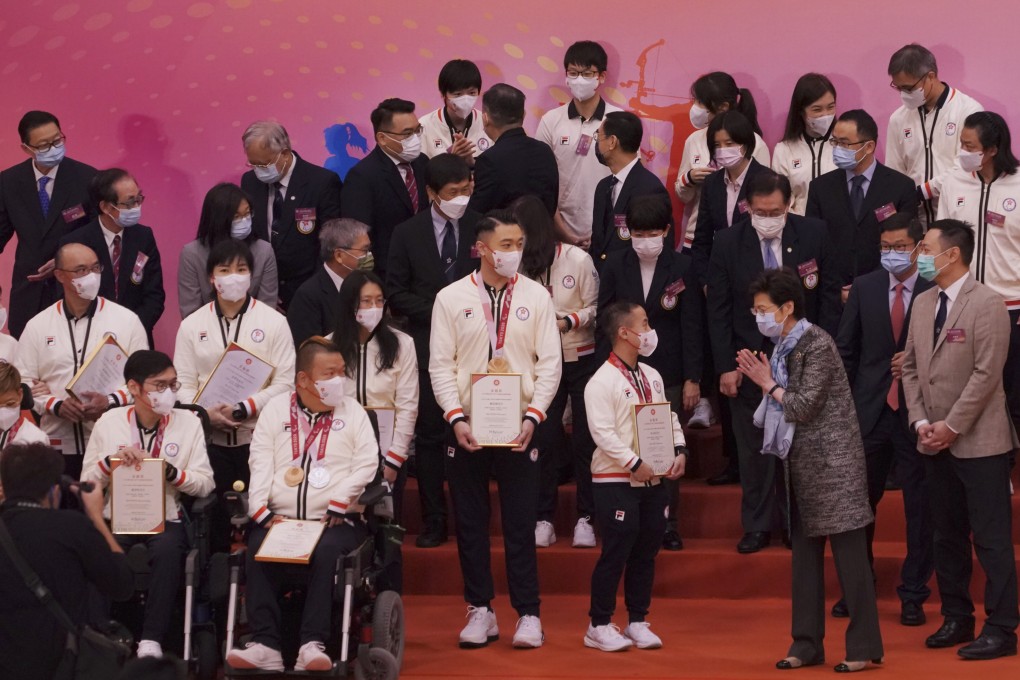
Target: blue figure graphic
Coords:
[[340, 140]]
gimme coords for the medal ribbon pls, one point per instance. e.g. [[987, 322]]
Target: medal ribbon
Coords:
[[644, 392], [497, 334], [157, 444], [322, 427]]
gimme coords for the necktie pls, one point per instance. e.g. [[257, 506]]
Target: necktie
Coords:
[[412, 185], [857, 195], [770, 257], [613, 181], [115, 257], [277, 209], [448, 253], [44, 198], [896, 315], [940, 316]]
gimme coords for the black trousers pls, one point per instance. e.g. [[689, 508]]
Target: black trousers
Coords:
[[518, 477], [971, 495], [849, 552], [1011, 372], [430, 431], [265, 580], [890, 440], [229, 464], [631, 521], [675, 395], [166, 562], [759, 508], [551, 440]]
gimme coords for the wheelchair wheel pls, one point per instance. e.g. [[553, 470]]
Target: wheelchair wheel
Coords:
[[206, 654], [380, 665], [388, 624]]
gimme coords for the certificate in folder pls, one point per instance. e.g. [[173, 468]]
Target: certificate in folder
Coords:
[[291, 541], [137, 497], [653, 429], [237, 375], [102, 372]]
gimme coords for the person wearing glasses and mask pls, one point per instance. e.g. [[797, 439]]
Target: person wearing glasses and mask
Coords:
[[803, 154], [290, 199], [387, 186], [152, 428], [132, 269], [345, 247], [456, 126], [32, 206], [856, 197], [923, 138]]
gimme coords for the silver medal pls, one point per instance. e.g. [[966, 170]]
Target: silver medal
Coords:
[[318, 477]]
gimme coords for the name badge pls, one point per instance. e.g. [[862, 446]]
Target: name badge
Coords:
[[305, 218], [583, 144], [956, 335], [676, 287], [622, 230], [995, 219], [73, 214], [809, 267], [138, 270], [885, 212], [743, 207]]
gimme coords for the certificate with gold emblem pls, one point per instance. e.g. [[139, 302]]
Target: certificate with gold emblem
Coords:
[[137, 497], [102, 372], [291, 541], [653, 428], [496, 408], [238, 375]]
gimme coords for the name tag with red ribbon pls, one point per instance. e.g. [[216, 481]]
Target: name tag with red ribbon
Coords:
[[885, 212]]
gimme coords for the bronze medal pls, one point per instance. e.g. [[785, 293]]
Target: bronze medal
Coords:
[[498, 365], [294, 476]]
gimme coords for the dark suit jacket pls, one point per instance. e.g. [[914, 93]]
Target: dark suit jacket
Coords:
[[712, 214], [297, 253], [867, 346], [312, 310], [854, 241], [737, 261], [38, 235], [415, 275], [677, 319], [605, 237], [375, 193], [144, 296], [515, 165]]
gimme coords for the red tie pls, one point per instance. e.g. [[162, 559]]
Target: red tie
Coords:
[[116, 266], [412, 185], [896, 317]]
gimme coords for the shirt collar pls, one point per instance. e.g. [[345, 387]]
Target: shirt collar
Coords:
[[336, 278], [52, 174], [867, 174], [600, 110], [439, 222], [285, 180], [89, 312], [622, 175], [107, 234], [739, 181], [954, 289], [244, 307], [908, 285]]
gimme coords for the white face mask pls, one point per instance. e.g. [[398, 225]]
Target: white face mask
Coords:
[[820, 125], [506, 262], [240, 228], [162, 402], [128, 217], [768, 227], [331, 391], [463, 104], [87, 286], [369, 318], [410, 147], [647, 248], [581, 88], [233, 287], [970, 161], [728, 156], [8, 416], [3, 317], [455, 207], [647, 342], [700, 116], [913, 99]]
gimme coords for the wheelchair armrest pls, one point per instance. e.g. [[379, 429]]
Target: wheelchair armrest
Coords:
[[373, 494], [203, 504], [202, 416], [236, 504]]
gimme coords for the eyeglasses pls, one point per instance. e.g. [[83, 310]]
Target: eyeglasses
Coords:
[[366, 303], [845, 143], [897, 248], [404, 135], [83, 270], [762, 213], [267, 165], [132, 203], [755, 311], [910, 88], [590, 73], [42, 148], [161, 386]]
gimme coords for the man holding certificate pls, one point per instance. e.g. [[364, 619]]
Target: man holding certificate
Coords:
[[312, 455], [495, 367], [58, 348], [638, 441], [147, 455]]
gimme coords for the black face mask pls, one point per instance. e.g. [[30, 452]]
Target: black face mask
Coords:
[[598, 155]]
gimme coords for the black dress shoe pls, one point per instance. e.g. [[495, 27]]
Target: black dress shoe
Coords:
[[844, 667], [912, 614], [727, 477], [988, 647], [671, 540], [787, 541], [787, 665], [431, 538], [840, 610], [951, 634], [753, 541]]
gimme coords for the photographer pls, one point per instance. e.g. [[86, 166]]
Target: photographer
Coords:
[[66, 551]]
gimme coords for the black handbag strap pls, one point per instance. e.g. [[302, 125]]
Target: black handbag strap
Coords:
[[33, 582]]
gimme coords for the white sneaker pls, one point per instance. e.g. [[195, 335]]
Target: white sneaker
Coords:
[[529, 633], [312, 657], [256, 656], [584, 534], [702, 417], [642, 635], [481, 628], [149, 648], [607, 638], [545, 534]]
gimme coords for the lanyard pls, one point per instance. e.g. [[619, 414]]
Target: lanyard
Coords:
[[222, 319], [497, 333], [644, 392], [9, 435], [74, 344], [321, 430], [453, 131], [156, 441]]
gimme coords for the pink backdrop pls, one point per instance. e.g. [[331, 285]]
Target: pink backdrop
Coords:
[[165, 87]]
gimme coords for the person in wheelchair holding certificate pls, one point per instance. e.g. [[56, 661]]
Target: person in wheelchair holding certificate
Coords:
[[638, 441], [312, 455], [152, 428]]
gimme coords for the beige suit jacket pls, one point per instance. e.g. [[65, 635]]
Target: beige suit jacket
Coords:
[[960, 380]]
